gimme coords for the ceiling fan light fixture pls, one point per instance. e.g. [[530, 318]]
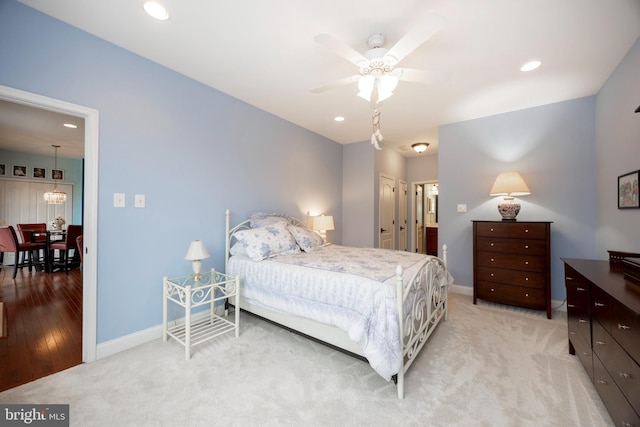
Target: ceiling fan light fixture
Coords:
[[420, 147]]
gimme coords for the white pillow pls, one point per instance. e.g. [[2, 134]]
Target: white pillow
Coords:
[[308, 240], [267, 241], [260, 219]]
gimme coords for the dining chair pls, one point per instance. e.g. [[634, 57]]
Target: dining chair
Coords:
[[80, 245], [64, 247], [27, 232], [9, 243]]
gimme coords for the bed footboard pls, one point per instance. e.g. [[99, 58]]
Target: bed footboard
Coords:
[[422, 304]]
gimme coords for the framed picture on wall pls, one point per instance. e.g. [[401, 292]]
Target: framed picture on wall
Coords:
[[57, 174], [3, 169], [628, 191], [40, 173], [20, 171]]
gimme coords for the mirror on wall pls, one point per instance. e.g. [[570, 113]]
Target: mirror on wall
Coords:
[[426, 214]]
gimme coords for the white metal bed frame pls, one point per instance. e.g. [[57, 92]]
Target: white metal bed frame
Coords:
[[417, 324]]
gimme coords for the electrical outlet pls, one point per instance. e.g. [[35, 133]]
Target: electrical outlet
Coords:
[[118, 200], [462, 207]]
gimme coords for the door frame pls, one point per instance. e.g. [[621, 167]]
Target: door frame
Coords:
[[414, 185], [90, 195], [393, 210]]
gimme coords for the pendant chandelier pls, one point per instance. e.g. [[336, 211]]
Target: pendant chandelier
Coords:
[[55, 196]]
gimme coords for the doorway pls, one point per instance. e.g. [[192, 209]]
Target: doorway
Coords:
[[90, 209], [425, 214]]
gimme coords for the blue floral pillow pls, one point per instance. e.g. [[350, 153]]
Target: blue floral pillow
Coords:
[[267, 241], [308, 240]]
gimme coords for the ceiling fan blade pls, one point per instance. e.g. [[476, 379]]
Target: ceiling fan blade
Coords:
[[342, 82], [340, 48], [421, 32], [431, 77]]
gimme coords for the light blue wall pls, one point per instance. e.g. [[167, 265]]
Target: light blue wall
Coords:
[[192, 150], [72, 174], [553, 147], [618, 152], [358, 202]]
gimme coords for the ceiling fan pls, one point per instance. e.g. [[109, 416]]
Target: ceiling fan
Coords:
[[378, 72]]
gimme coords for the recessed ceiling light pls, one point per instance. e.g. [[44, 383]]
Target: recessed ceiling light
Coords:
[[156, 10], [530, 66], [338, 119], [70, 125]]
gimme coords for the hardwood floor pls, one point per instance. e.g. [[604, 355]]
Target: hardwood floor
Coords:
[[44, 316]]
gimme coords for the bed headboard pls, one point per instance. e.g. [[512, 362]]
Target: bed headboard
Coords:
[[245, 225]]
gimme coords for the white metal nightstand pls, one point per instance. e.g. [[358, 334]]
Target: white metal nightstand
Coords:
[[194, 291]]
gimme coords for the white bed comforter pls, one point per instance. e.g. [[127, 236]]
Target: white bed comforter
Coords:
[[350, 288]]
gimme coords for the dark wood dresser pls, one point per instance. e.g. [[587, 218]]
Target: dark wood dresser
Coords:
[[604, 332], [512, 263]]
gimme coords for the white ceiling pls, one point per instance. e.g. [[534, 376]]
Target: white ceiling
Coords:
[[264, 53]]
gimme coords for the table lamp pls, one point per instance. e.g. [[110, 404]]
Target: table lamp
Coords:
[[323, 223], [509, 184], [195, 254]]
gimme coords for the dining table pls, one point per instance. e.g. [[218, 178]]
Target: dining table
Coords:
[[51, 236]]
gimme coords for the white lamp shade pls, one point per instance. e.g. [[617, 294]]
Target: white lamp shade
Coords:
[[197, 251], [323, 222], [509, 184]]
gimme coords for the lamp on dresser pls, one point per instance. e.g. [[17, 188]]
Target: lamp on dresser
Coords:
[[509, 184]]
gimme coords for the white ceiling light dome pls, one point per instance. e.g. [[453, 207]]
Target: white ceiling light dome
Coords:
[[156, 10]]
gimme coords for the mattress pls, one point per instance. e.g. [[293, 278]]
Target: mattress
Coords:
[[353, 289]]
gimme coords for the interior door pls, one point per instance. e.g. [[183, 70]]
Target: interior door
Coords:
[[387, 212], [402, 216], [419, 219]]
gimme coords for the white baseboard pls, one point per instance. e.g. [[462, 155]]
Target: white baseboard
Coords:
[[135, 339]]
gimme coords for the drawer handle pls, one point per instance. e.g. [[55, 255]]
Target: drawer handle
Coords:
[[572, 333], [571, 305], [579, 289], [526, 295], [626, 424], [582, 321], [526, 246], [585, 353], [526, 263], [526, 279], [598, 304], [492, 259], [601, 343], [493, 290], [623, 327], [491, 274], [526, 231], [491, 230], [602, 382], [624, 375], [568, 278]]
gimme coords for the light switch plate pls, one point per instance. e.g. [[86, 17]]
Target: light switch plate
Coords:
[[118, 200], [462, 207], [139, 201]]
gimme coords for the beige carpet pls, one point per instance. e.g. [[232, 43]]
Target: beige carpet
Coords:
[[489, 365]]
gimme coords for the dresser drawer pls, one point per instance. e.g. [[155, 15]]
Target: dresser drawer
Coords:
[[528, 231], [512, 295], [584, 353], [511, 261], [626, 329], [528, 279], [622, 368], [491, 229], [518, 246], [601, 307], [619, 408]]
